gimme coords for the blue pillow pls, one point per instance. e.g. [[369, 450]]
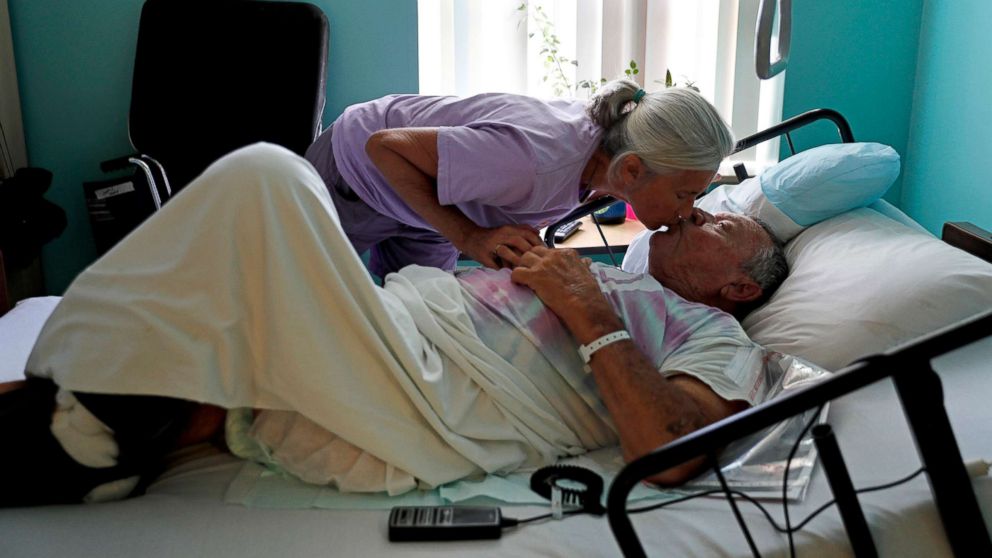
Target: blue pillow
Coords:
[[819, 183]]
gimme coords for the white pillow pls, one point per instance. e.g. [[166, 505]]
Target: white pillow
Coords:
[[861, 283]]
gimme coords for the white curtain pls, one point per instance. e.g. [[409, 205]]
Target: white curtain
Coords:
[[13, 154], [473, 46]]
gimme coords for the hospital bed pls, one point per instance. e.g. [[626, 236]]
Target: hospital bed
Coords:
[[186, 511]]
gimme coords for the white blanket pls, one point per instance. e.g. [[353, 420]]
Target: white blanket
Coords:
[[244, 292]]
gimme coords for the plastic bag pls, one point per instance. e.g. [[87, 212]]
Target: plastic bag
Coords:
[[756, 464]]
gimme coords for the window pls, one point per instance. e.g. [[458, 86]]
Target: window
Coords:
[[474, 46]]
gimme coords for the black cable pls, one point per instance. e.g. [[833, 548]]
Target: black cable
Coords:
[[730, 494], [510, 522], [785, 478], [764, 511], [739, 494], [685, 498], [737, 512], [885, 486]]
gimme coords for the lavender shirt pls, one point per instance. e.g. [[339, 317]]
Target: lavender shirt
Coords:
[[502, 158]]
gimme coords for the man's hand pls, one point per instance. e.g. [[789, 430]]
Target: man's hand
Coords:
[[490, 246], [563, 282]]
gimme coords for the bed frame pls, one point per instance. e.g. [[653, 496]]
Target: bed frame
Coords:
[[969, 238], [921, 396], [908, 365]]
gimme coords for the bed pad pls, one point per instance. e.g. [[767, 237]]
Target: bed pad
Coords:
[[756, 473], [257, 486]]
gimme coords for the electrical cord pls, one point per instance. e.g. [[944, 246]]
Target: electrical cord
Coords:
[[764, 511], [822, 508], [737, 512], [785, 477], [511, 522], [730, 494]]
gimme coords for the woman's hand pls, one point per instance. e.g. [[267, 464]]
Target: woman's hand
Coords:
[[564, 283], [500, 246]]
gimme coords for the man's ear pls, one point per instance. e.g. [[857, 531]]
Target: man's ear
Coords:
[[744, 289]]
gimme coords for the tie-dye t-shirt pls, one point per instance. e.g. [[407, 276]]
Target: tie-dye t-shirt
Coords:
[[676, 335]]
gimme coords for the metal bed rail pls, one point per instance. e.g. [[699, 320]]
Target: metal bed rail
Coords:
[[783, 128], [921, 396]]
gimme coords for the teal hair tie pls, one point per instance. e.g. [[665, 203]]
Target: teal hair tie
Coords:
[[639, 95]]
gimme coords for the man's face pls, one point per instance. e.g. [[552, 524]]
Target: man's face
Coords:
[[704, 253]]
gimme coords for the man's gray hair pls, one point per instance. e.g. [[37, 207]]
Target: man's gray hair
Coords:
[[768, 267], [670, 130]]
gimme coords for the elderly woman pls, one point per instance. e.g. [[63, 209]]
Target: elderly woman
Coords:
[[420, 179]]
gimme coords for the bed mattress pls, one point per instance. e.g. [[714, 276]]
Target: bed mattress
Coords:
[[184, 512]]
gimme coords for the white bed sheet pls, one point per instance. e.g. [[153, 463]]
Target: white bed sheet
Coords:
[[184, 513]]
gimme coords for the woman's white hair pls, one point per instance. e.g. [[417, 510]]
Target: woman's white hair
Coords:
[[670, 130]]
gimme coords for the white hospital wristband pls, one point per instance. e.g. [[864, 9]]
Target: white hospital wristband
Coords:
[[587, 350]]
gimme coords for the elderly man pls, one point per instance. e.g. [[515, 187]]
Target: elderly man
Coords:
[[243, 293]]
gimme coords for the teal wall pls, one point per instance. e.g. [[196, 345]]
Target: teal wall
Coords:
[[74, 63], [74, 73], [951, 127], [859, 58]]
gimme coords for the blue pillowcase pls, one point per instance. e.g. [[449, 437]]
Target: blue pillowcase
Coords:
[[819, 183]]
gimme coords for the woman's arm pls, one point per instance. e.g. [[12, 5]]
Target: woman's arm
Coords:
[[408, 159], [649, 409]]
